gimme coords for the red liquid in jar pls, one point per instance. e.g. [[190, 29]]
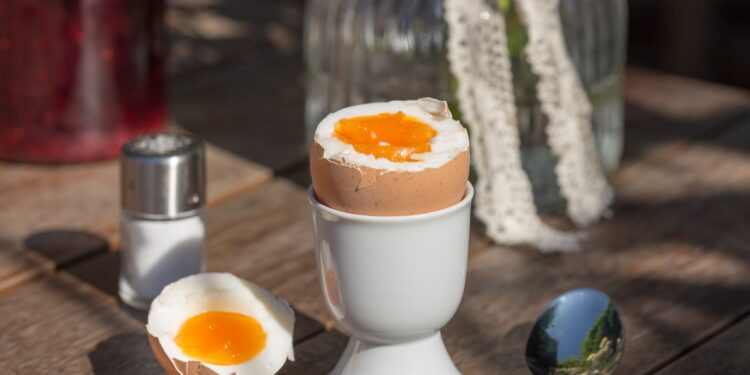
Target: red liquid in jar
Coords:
[[78, 78]]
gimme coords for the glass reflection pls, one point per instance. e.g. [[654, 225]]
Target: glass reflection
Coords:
[[580, 332]]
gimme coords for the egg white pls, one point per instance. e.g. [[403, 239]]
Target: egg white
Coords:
[[451, 138], [206, 292]]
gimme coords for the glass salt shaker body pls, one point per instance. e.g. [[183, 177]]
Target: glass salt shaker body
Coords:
[[162, 219]]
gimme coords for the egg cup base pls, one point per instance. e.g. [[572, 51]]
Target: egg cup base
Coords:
[[422, 356]]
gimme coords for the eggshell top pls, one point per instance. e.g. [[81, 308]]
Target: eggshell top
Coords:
[[451, 138], [347, 180]]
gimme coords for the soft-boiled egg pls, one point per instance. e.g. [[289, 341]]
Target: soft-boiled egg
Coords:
[[216, 323], [390, 159]]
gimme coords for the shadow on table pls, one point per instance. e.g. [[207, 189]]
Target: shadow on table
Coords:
[[646, 130], [211, 32], [127, 353], [679, 271], [317, 356], [65, 246]]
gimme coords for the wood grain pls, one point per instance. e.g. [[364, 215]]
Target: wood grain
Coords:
[[255, 112], [242, 91], [58, 325], [680, 98], [39, 201], [725, 354], [228, 174], [16, 268], [663, 112], [205, 35]]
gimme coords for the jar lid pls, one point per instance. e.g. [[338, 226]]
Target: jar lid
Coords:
[[162, 176]]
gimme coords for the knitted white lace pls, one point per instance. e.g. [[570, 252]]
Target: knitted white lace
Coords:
[[480, 61], [564, 102]]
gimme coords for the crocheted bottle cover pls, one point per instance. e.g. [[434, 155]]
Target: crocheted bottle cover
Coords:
[[480, 60]]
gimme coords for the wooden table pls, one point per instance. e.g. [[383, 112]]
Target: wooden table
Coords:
[[675, 257]]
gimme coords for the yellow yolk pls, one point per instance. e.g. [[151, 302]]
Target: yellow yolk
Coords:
[[394, 136], [221, 338]]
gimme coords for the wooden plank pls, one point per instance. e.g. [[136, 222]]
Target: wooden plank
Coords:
[[204, 35], [58, 325], [37, 199], [49, 209], [256, 112], [663, 111], [228, 174], [16, 268], [238, 77], [680, 98], [726, 354]]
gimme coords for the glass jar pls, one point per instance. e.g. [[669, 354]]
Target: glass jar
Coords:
[[377, 50], [79, 78]]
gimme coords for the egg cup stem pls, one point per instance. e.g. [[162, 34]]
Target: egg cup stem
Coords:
[[391, 283]]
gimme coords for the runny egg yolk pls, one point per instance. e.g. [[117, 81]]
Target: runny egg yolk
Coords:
[[394, 136], [221, 338]]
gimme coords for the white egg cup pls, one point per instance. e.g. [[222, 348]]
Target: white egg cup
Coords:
[[391, 283]]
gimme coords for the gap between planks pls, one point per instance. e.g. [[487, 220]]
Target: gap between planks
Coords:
[[723, 354], [710, 338]]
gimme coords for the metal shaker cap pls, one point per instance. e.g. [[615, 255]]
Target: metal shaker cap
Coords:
[[162, 176]]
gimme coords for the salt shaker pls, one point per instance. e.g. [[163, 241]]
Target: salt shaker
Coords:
[[162, 226]]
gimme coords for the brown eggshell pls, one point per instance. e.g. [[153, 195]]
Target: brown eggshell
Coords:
[[367, 191], [174, 366]]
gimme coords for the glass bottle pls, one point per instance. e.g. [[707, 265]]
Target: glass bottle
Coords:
[[79, 78], [376, 50]]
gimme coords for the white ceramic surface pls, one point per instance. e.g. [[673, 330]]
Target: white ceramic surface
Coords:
[[391, 282], [425, 356]]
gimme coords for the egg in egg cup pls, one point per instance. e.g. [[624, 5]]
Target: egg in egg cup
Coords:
[[391, 207]]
